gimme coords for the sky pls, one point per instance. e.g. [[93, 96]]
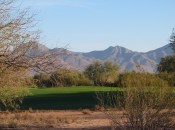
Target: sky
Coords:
[[87, 25]]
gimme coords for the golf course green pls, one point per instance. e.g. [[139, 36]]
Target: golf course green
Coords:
[[63, 98]]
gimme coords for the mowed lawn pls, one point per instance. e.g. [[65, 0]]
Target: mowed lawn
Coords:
[[63, 98]]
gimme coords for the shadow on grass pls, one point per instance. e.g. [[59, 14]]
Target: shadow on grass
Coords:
[[60, 101], [71, 101]]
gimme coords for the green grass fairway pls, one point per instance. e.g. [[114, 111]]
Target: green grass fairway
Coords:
[[63, 98]]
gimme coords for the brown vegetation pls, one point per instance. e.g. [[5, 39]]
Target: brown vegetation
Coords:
[[54, 119]]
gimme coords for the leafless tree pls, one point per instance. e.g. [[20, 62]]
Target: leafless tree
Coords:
[[19, 48], [18, 41]]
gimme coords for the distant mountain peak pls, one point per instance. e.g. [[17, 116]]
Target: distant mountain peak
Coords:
[[122, 56], [40, 47], [126, 58]]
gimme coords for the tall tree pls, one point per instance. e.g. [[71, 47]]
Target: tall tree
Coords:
[[167, 64], [18, 51], [172, 40]]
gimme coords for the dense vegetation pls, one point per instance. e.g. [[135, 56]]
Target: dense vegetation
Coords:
[[103, 74], [62, 78], [97, 74]]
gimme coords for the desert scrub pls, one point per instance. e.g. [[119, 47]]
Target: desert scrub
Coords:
[[147, 103]]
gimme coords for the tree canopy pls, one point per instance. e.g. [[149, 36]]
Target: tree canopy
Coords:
[[102, 73], [172, 40], [167, 64]]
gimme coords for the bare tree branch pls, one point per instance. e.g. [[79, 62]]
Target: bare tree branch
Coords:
[[19, 41]]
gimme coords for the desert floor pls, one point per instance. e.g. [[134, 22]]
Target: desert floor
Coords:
[[55, 120]]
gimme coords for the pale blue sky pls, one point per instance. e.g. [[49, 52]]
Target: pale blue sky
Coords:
[[86, 25]]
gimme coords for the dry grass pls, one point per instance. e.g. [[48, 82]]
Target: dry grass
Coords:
[[54, 119], [61, 119], [35, 118]]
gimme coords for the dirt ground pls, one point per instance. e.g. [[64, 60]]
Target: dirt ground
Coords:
[[55, 120], [59, 120], [83, 119], [86, 119]]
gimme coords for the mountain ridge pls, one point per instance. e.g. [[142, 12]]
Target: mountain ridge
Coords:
[[125, 58]]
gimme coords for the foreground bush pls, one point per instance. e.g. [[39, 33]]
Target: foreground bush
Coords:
[[13, 87], [147, 103]]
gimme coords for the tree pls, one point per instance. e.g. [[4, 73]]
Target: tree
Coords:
[[167, 64], [18, 52], [93, 72], [172, 40], [102, 73]]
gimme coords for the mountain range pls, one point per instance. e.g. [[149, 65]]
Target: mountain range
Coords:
[[125, 58]]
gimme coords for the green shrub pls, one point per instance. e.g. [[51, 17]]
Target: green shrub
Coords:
[[134, 79], [62, 77], [65, 77], [169, 77], [83, 80], [42, 80], [102, 74]]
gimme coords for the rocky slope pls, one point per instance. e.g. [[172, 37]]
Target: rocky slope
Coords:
[[125, 58]]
